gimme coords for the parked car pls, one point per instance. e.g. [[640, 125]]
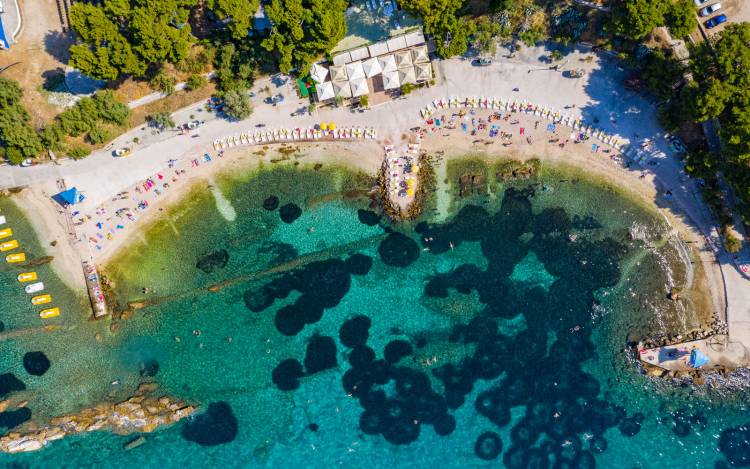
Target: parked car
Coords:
[[2, 8], [124, 151], [710, 9], [716, 21], [482, 62], [700, 2]]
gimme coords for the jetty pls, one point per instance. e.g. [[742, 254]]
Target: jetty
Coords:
[[721, 353], [94, 287], [401, 167]]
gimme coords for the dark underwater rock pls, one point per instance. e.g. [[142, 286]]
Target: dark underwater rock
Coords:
[[216, 426], [9, 383], [13, 418], [271, 203], [368, 217], [148, 368], [445, 425], [286, 375], [256, 300], [289, 212], [734, 444], [398, 250], [289, 320], [488, 446], [632, 425], [320, 354], [355, 331], [598, 444], [2, 326], [213, 261], [361, 356], [396, 350], [36, 363], [359, 264], [401, 431]]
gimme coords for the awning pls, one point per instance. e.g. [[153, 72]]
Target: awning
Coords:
[[359, 87], [412, 39], [325, 91], [338, 73], [68, 197], [406, 75], [355, 71], [403, 59], [698, 358], [341, 89], [419, 54], [396, 43], [387, 63], [318, 73], [423, 71], [379, 48], [359, 54], [371, 67], [390, 80]]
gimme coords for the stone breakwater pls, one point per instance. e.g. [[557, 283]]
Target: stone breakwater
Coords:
[[138, 414]]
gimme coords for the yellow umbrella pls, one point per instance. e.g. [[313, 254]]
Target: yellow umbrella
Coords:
[[332, 126], [323, 126]]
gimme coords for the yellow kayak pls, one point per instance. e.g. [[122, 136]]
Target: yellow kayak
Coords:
[[6, 233], [27, 277], [8, 245], [17, 257], [41, 299], [49, 313]]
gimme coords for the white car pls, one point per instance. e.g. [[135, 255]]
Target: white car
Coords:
[[2, 9], [700, 2], [711, 9]]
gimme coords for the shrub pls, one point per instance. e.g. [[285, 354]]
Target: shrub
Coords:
[[97, 136], [161, 120], [78, 152], [732, 243], [364, 101], [237, 104], [196, 81], [163, 83]]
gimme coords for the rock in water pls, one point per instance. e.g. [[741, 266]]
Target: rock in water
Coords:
[[216, 426], [213, 261], [9, 383], [289, 213], [271, 203], [321, 354], [148, 368], [36, 363], [398, 250], [368, 217]]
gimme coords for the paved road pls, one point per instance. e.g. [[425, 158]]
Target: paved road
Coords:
[[599, 96]]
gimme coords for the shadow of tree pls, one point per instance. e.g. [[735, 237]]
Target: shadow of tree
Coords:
[[57, 44]]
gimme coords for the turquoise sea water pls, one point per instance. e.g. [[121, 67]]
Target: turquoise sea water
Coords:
[[503, 310]]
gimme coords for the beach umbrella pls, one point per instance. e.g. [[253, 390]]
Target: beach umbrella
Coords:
[[698, 358], [390, 80], [325, 91], [387, 63], [359, 87], [372, 67], [323, 126], [342, 89], [419, 54], [338, 73], [423, 71], [403, 59], [332, 126], [355, 71], [406, 75], [318, 73]]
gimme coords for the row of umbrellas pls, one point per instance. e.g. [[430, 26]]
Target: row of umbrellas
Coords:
[[371, 67]]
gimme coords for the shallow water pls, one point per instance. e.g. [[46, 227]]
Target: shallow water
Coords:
[[502, 300]]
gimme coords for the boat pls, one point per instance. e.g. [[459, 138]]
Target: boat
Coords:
[[34, 287], [8, 245], [26, 277], [41, 299], [49, 313], [2, 220], [6, 233], [17, 257]]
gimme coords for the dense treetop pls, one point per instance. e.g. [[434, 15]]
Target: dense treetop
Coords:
[[240, 14]]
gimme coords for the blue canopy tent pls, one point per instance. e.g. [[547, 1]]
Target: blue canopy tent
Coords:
[[4, 43], [68, 197], [697, 358]]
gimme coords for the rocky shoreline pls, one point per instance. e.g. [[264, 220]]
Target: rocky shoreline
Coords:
[[138, 414]]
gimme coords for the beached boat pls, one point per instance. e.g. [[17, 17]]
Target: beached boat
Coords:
[[41, 299], [27, 277], [34, 287], [17, 257], [6, 233], [8, 245], [49, 313]]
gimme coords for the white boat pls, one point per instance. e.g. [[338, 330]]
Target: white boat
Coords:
[[34, 287]]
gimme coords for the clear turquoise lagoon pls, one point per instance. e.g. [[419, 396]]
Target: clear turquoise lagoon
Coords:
[[488, 337]]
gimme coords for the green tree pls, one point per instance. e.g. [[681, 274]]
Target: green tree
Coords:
[[441, 20], [17, 137], [52, 136], [97, 136], [661, 74], [680, 18], [304, 30], [239, 12], [196, 81], [237, 104], [110, 109], [485, 33], [161, 120], [163, 83], [637, 18], [126, 37]]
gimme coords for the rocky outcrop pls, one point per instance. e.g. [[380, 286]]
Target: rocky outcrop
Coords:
[[139, 414]]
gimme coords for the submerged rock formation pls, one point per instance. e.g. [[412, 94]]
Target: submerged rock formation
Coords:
[[139, 414]]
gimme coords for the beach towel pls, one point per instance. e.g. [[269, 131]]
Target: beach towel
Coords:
[[521, 131], [550, 127]]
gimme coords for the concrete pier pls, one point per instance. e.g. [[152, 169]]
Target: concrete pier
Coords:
[[722, 353], [94, 286]]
